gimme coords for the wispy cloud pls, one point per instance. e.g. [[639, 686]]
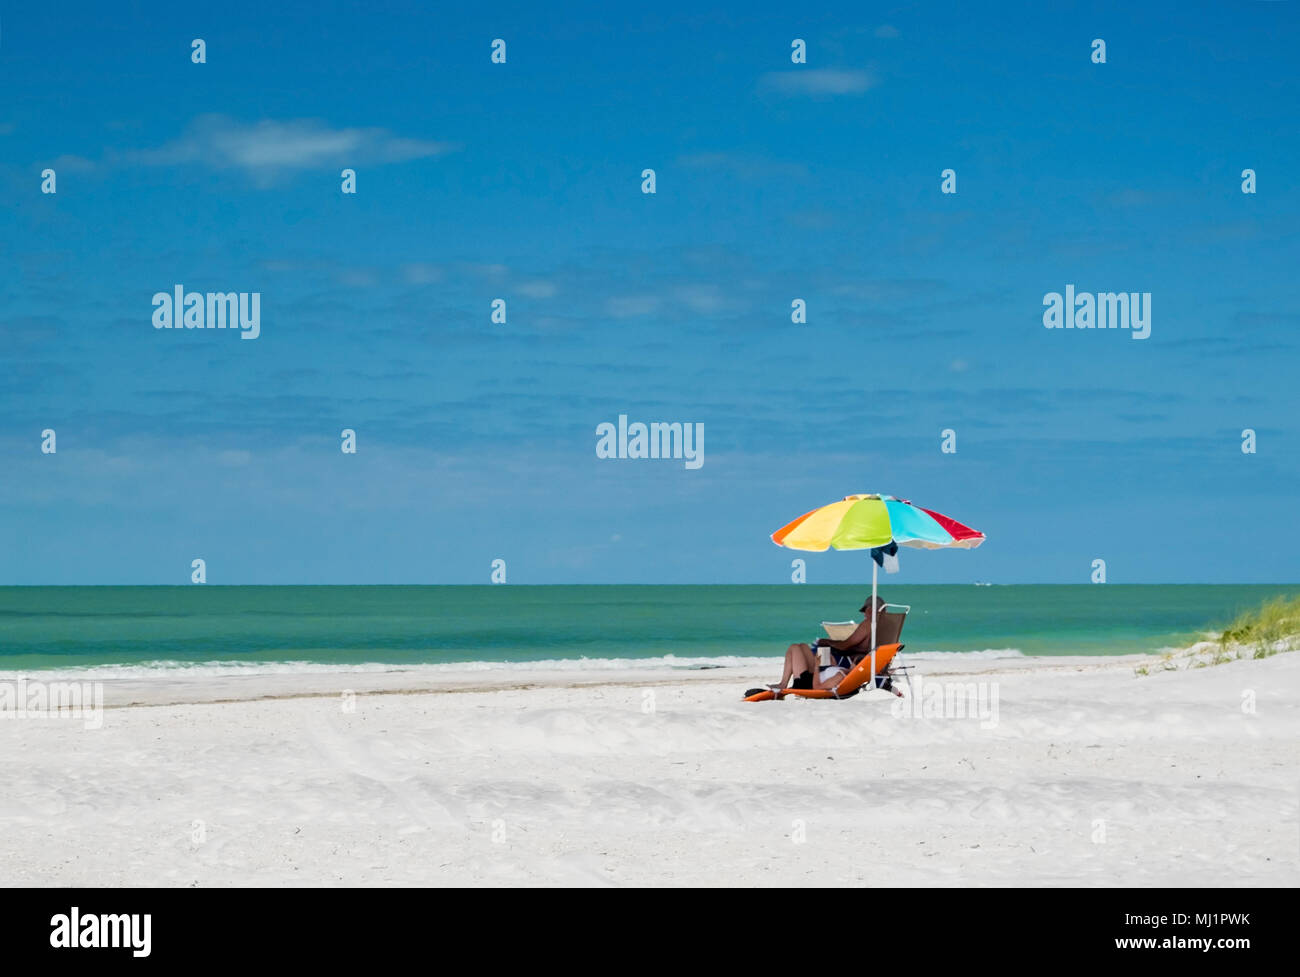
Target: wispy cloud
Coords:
[[421, 273], [817, 81], [744, 166], [701, 298], [270, 147], [673, 300], [886, 30], [537, 289], [630, 306], [72, 164]]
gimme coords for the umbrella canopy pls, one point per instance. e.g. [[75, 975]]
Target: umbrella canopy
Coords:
[[863, 522], [866, 522]]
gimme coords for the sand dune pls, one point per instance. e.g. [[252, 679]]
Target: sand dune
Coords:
[[1090, 775]]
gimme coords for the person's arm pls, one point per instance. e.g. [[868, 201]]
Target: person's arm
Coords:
[[861, 636]]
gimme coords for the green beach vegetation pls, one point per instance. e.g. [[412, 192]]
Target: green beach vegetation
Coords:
[[1267, 630]]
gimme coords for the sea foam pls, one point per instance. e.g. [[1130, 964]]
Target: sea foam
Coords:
[[212, 669]]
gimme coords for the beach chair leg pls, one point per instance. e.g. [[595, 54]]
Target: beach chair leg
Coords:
[[907, 673]]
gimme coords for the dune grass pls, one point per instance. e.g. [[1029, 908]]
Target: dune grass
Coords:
[[1267, 630]]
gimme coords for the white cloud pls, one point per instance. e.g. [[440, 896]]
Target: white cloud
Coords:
[[817, 81], [421, 273], [496, 272], [357, 278], [749, 168], [700, 298], [73, 164], [268, 148], [537, 289], [628, 306]]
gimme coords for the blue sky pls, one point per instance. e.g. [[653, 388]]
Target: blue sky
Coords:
[[522, 181]]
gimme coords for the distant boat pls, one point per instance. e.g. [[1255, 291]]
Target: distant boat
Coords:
[[982, 583]]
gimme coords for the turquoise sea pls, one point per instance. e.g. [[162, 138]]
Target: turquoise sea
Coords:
[[52, 627]]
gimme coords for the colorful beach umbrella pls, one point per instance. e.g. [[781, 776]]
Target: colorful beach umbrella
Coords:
[[864, 522], [870, 522]]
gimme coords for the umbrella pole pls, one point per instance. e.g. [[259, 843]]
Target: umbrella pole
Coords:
[[874, 570]]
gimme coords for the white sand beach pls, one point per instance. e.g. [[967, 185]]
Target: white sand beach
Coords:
[[1087, 775]]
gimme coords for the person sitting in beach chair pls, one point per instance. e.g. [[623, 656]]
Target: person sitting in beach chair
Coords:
[[801, 660]]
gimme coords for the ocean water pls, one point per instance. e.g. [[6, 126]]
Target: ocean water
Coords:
[[169, 627]]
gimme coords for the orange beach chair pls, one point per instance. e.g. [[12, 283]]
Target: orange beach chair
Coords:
[[884, 661]]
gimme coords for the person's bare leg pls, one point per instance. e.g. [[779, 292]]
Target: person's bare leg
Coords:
[[807, 660], [798, 659], [788, 670]]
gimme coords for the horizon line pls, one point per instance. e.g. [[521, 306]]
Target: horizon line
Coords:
[[194, 586]]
